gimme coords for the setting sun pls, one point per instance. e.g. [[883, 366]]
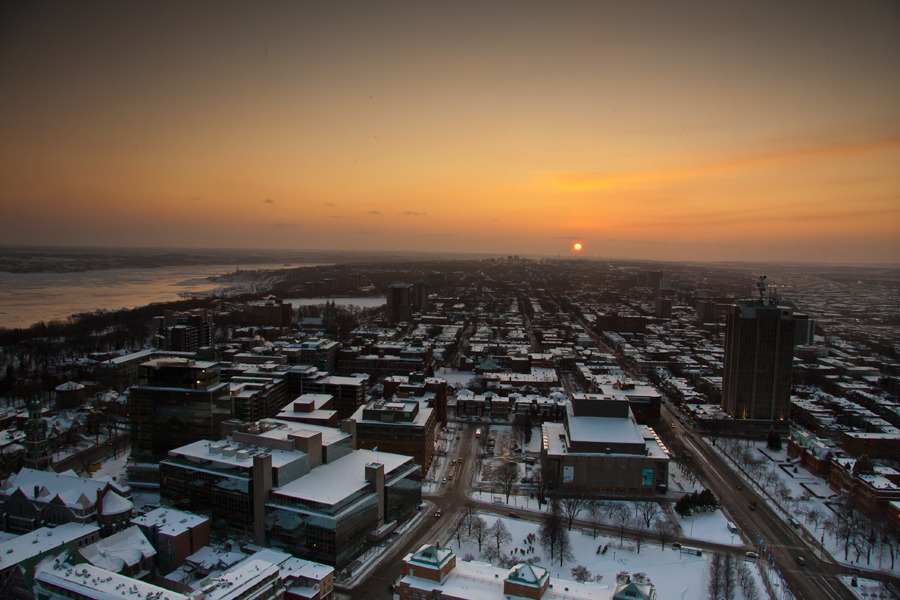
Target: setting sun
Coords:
[[577, 246]]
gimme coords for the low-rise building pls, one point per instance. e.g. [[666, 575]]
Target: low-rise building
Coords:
[[600, 449], [434, 572]]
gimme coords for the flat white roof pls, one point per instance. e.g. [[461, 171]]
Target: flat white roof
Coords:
[[330, 483]]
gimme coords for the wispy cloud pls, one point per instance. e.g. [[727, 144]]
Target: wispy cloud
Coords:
[[268, 201], [591, 180], [374, 212], [332, 204], [415, 213]]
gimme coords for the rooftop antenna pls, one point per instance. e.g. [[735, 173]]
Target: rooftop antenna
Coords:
[[761, 286]]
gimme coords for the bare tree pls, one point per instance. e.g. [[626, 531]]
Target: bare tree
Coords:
[[622, 517], [479, 531], [540, 484], [596, 509], [554, 536], [646, 512], [746, 581], [572, 506], [581, 574], [491, 554], [499, 533], [722, 577], [506, 478], [664, 530]]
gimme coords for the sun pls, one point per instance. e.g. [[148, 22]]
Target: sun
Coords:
[[577, 247]]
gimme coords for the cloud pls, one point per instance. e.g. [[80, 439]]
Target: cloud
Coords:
[[330, 204], [567, 237], [576, 181], [268, 201], [415, 213], [374, 212]]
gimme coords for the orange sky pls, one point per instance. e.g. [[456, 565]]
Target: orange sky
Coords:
[[758, 130]]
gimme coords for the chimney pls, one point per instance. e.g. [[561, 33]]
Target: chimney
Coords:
[[375, 477], [262, 485]]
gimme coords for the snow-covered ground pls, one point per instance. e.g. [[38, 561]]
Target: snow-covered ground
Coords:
[[867, 589], [709, 527], [457, 379], [677, 575]]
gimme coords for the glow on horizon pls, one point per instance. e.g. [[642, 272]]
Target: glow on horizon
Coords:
[[757, 131]]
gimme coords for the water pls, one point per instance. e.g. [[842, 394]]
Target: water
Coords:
[[27, 298]]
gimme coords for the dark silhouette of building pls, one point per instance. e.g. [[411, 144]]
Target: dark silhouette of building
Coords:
[[759, 345], [183, 331], [404, 299], [177, 401]]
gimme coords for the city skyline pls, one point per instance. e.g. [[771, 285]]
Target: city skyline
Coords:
[[702, 131]]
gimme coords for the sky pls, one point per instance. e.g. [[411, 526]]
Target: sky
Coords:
[[714, 130]]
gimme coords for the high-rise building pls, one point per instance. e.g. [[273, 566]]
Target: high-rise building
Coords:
[[804, 330], [399, 302], [183, 331], [404, 299], [177, 401], [759, 345]]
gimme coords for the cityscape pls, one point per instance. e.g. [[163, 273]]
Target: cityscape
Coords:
[[497, 300], [480, 428]]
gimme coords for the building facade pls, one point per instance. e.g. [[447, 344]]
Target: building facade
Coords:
[[759, 345]]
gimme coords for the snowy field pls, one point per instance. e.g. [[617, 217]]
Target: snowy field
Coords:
[[677, 575]]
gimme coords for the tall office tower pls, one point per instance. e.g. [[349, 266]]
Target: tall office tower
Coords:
[[176, 402], [399, 302], [759, 345], [664, 308], [804, 330], [420, 296]]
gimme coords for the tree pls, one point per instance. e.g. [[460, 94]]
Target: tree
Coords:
[[722, 577], [540, 485], [597, 509], [863, 466], [479, 531], [572, 506], [646, 512], [664, 531], [506, 478], [499, 533], [746, 581], [554, 536], [621, 517], [581, 574]]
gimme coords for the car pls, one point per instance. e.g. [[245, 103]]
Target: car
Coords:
[[676, 545], [801, 561], [452, 462], [739, 487], [438, 513], [449, 477], [752, 507], [514, 515], [457, 437], [444, 480], [752, 555]]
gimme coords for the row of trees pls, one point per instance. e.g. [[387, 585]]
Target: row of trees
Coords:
[[727, 575]]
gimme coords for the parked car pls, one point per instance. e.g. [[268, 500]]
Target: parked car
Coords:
[[438, 513], [752, 555]]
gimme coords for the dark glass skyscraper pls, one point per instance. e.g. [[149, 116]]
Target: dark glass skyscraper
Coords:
[[759, 345]]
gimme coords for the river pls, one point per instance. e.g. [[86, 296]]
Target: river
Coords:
[[28, 298]]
